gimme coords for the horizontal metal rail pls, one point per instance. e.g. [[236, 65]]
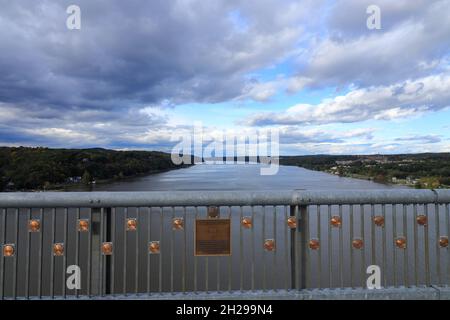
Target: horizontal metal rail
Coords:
[[134, 243], [226, 198]]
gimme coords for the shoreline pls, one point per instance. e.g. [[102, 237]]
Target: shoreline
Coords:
[[68, 186]]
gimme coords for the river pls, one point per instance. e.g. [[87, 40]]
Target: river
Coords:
[[236, 177]]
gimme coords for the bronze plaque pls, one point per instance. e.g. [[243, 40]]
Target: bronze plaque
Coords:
[[213, 237]]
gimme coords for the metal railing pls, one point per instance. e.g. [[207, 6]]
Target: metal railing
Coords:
[[143, 242]]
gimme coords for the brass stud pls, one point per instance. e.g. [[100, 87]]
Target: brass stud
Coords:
[[292, 222], [34, 225], [213, 212], [178, 224], [247, 222], [336, 221], [131, 224], [107, 248], [422, 220], [153, 247], [9, 250], [314, 244], [269, 245], [379, 221], [400, 242], [58, 249], [83, 225], [443, 242], [358, 243]]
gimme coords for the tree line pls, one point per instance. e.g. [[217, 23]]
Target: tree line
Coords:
[[24, 168]]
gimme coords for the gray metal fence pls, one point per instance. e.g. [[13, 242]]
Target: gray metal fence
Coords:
[[143, 242]]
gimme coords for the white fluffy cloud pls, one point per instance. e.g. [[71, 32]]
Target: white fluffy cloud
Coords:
[[412, 43], [400, 100]]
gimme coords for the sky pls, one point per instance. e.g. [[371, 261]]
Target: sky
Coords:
[[137, 73]]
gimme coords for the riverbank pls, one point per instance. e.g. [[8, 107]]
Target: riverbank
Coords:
[[24, 169], [421, 171]]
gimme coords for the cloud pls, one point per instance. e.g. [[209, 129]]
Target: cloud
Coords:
[[413, 43], [380, 103], [117, 82], [140, 52], [421, 139]]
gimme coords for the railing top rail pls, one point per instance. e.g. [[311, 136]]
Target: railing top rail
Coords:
[[220, 198]]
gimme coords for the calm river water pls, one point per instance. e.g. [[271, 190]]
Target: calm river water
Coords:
[[237, 177]]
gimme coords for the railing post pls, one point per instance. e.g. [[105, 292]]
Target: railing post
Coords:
[[107, 265], [302, 245], [101, 264], [293, 248], [299, 247]]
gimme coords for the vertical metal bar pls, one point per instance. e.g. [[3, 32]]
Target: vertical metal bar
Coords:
[[253, 249], [184, 262], [447, 222], [52, 258], [274, 261], [113, 240], [394, 235], [363, 249], [438, 252], [427, 251], [294, 247], [372, 238], [195, 257], [341, 249], [171, 253], [416, 246], [77, 245], [161, 248], [27, 256], [218, 273], [263, 234], [2, 258], [304, 276], [319, 252], [125, 256], [101, 256], [405, 253], [15, 256], [241, 252], [297, 236], [330, 259], [64, 258], [149, 238], [206, 274], [89, 258], [229, 258], [106, 258], [136, 275], [286, 261], [41, 245], [384, 247], [107, 266], [352, 262]]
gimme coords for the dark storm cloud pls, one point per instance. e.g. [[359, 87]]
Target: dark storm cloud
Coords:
[[134, 52], [91, 83]]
